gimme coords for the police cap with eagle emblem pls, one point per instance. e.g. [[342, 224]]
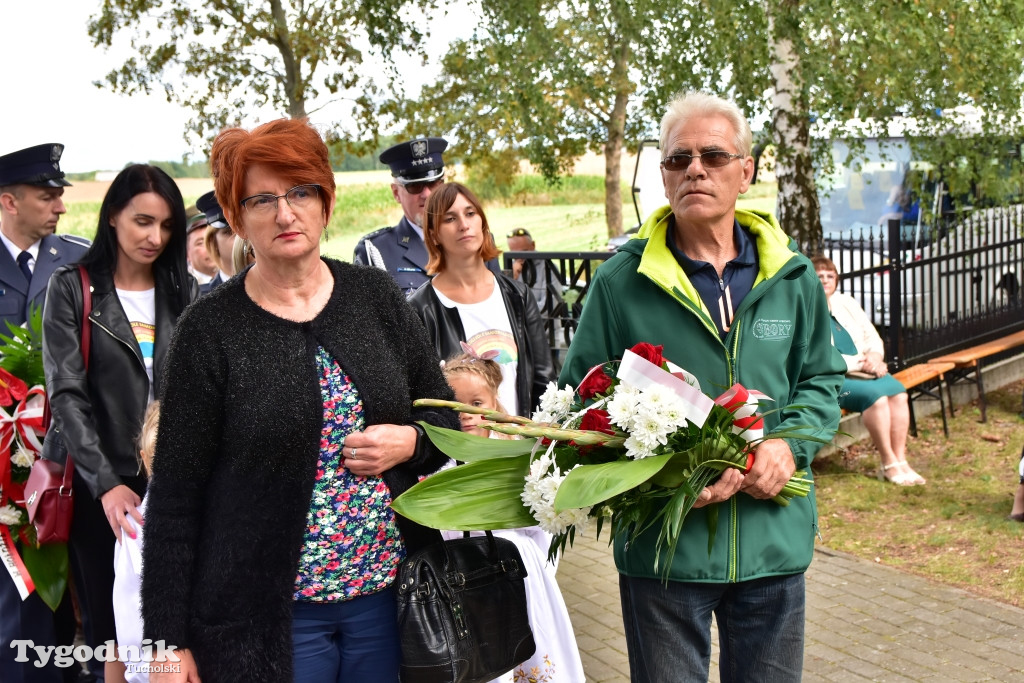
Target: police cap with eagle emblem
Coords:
[[416, 161], [38, 165]]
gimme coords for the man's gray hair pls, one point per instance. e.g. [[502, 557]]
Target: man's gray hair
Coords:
[[686, 105]]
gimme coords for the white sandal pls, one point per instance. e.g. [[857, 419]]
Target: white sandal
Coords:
[[915, 478], [899, 478]]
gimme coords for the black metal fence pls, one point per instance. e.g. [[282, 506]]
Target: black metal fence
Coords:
[[948, 285], [572, 271]]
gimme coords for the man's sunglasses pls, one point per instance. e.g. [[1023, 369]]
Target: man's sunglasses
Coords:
[[418, 187], [714, 159]]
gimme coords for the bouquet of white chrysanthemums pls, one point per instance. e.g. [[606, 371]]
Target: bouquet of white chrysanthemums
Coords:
[[635, 443]]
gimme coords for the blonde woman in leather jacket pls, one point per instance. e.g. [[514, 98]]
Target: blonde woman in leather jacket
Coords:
[[140, 285]]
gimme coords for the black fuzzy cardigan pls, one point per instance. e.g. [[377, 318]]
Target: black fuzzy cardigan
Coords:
[[236, 456]]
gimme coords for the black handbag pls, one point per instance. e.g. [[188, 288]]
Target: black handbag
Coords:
[[462, 611]]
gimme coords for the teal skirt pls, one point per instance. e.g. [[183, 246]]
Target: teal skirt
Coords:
[[857, 395]]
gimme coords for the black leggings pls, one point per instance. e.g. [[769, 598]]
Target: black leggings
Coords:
[[91, 552]]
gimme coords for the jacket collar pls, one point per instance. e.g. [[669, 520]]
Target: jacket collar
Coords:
[[774, 248]]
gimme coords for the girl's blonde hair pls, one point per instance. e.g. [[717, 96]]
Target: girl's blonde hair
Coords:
[[485, 368], [147, 437], [241, 254]]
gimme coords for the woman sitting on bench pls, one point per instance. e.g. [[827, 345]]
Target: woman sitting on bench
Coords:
[[869, 388]]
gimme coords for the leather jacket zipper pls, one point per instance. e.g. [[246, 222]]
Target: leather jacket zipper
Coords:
[[93, 319]]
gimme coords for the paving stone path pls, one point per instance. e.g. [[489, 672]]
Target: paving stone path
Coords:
[[865, 622]]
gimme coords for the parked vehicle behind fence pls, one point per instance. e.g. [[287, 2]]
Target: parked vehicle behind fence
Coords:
[[958, 258]]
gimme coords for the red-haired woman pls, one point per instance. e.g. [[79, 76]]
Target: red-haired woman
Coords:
[[286, 429], [466, 302]]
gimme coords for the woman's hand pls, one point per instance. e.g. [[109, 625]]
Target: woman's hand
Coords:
[[378, 448], [182, 671], [119, 503], [874, 365]]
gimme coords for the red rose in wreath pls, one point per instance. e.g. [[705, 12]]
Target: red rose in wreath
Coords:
[[649, 352], [597, 421], [596, 382]]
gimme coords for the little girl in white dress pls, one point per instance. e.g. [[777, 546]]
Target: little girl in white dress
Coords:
[[475, 381], [128, 573]]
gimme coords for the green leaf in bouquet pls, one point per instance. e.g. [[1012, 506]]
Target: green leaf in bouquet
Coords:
[[23, 349], [674, 514], [482, 495], [712, 517], [674, 473], [464, 447], [48, 567], [593, 484]]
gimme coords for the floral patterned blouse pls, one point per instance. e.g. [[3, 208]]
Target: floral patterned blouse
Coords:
[[352, 545]]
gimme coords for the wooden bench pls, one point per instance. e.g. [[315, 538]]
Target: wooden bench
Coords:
[[967, 364], [915, 380]]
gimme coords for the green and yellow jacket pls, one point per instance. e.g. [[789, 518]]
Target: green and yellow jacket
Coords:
[[779, 344]]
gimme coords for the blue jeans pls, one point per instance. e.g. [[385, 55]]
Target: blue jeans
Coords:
[[668, 629], [347, 642]]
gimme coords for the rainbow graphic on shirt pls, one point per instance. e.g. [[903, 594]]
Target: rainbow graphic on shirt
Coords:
[[145, 334], [501, 341]]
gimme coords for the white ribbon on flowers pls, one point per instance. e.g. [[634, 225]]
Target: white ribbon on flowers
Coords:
[[639, 372]]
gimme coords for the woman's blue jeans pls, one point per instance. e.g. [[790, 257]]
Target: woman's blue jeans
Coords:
[[668, 629], [347, 642]]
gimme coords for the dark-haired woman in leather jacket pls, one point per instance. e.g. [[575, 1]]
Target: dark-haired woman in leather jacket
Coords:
[[140, 285], [466, 302]]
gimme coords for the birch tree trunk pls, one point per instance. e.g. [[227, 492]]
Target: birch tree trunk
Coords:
[[798, 207]]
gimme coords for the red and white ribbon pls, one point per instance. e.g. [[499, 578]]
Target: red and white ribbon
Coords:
[[743, 404], [13, 564], [639, 372], [28, 419]]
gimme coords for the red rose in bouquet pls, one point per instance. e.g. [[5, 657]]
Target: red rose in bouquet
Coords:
[[649, 352], [596, 382], [597, 421]]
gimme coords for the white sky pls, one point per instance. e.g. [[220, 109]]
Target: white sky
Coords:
[[48, 67]]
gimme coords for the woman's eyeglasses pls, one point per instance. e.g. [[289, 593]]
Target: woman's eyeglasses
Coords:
[[716, 158], [299, 197]]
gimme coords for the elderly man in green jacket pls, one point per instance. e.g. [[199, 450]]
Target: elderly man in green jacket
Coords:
[[731, 300]]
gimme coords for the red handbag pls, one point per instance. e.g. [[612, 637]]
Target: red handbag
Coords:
[[49, 501], [48, 492]]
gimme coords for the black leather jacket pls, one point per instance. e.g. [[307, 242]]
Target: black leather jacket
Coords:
[[97, 417], [534, 369]]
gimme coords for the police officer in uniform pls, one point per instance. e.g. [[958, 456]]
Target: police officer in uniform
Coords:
[[222, 239], [31, 190], [416, 168]]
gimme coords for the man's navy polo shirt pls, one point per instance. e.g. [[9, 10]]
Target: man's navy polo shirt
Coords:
[[721, 296]]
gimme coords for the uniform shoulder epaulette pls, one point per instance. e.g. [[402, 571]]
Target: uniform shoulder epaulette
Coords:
[[76, 240], [376, 233]]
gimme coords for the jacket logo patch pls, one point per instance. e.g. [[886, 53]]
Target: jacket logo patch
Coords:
[[772, 330]]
